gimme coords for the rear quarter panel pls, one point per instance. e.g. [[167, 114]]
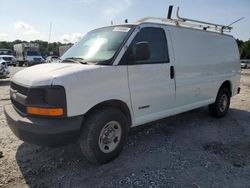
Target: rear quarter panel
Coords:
[[203, 61]]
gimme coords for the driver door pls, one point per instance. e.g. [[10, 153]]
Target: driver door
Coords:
[[152, 87]]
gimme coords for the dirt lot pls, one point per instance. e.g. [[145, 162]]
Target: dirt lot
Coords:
[[192, 149]]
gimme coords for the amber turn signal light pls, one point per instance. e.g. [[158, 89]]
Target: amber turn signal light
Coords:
[[45, 111]]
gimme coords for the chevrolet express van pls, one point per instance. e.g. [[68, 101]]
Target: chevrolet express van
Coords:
[[119, 77]]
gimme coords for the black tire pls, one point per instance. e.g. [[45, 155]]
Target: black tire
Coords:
[[222, 103], [90, 139], [20, 64]]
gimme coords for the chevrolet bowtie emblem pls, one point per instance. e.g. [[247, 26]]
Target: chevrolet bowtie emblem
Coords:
[[14, 94]]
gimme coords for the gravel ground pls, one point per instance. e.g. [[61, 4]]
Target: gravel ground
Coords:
[[192, 149]]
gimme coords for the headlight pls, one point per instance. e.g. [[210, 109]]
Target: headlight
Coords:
[[47, 101], [13, 59]]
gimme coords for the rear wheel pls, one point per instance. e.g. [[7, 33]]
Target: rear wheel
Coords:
[[103, 135], [20, 63], [222, 103]]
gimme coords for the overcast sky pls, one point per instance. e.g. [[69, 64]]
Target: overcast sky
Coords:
[[71, 19]]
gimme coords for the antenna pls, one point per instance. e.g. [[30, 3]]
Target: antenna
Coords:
[[236, 21]]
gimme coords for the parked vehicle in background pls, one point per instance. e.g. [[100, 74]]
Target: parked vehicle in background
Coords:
[[124, 76], [28, 54], [245, 63], [53, 58], [7, 55], [4, 70], [63, 49]]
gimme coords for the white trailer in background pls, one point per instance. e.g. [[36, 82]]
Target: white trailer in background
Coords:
[[28, 54]]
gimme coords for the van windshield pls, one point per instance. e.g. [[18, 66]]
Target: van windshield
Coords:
[[33, 53], [99, 45], [6, 52]]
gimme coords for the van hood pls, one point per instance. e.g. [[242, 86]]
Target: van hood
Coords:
[[7, 56], [44, 74]]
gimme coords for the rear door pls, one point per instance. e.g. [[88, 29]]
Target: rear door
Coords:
[[152, 87]]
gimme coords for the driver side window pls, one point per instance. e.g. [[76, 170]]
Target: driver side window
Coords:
[[156, 39]]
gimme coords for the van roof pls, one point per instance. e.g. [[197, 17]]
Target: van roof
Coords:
[[171, 24], [181, 26]]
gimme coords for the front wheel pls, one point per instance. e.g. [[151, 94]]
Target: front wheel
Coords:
[[222, 103], [103, 135], [20, 63]]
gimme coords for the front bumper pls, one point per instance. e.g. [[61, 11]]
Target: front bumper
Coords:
[[11, 63], [43, 131], [34, 62], [4, 73]]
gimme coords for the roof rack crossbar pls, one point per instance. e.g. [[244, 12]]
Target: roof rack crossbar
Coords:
[[186, 22], [216, 26]]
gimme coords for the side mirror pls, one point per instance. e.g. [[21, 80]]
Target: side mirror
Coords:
[[142, 51]]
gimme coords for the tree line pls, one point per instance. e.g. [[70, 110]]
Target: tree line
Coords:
[[46, 48], [53, 48], [244, 48]]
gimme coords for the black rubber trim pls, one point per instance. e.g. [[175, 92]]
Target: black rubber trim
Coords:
[[19, 107], [19, 88], [149, 62], [238, 90], [172, 72]]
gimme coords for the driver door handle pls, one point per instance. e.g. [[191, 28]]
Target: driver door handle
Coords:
[[172, 72]]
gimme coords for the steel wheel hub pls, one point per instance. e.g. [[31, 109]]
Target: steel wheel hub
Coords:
[[110, 136], [223, 103]]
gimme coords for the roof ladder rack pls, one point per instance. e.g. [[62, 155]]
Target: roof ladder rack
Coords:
[[186, 22], [205, 25]]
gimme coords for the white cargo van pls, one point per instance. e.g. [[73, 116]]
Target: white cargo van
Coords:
[[123, 76]]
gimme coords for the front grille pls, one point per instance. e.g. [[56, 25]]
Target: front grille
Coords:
[[37, 59], [18, 106], [7, 58], [4, 64], [19, 89], [15, 101]]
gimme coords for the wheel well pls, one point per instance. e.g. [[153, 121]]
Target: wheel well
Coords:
[[226, 84], [116, 104]]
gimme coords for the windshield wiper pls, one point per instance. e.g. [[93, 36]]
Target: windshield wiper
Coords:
[[75, 60]]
